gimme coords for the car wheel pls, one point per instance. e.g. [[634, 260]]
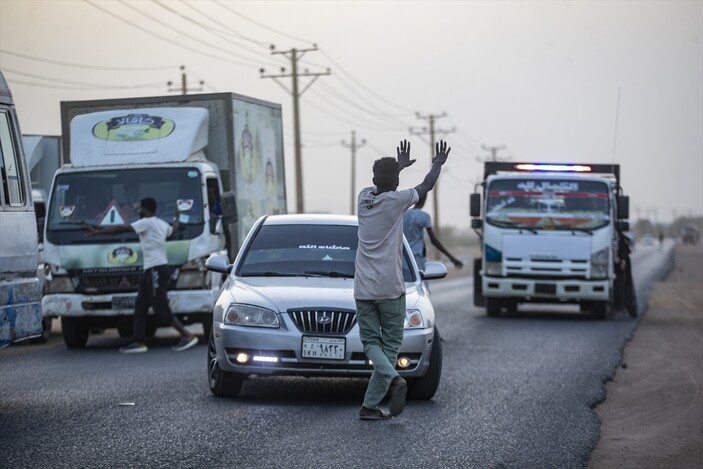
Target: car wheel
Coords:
[[45, 332], [75, 332], [426, 386], [222, 383]]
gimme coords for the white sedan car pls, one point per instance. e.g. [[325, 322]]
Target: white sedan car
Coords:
[[287, 308]]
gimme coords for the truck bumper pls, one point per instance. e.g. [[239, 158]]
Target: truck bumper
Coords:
[[555, 290], [76, 305]]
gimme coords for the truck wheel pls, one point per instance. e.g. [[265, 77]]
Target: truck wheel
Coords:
[[598, 309], [222, 383], [75, 332], [45, 332], [426, 386], [207, 326], [493, 307], [479, 299]]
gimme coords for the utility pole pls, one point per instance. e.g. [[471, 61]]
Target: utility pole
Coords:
[[294, 55], [493, 150], [353, 146], [184, 84], [432, 131]]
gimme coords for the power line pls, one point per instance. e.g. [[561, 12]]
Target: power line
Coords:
[[170, 41], [88, 67], [91, 85]]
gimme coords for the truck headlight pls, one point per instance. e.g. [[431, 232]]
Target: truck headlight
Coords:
[[246, 315], [414, 319], [599, 263], [494, 261]]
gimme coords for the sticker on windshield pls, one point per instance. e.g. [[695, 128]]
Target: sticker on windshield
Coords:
[[184, 204], [66, 210], [332, 247]]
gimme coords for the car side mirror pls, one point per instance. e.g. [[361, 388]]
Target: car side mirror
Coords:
[[218, 263], [433, 270]]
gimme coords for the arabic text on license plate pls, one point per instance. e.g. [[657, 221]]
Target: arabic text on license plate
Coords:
[[330, 348], [123, 302]]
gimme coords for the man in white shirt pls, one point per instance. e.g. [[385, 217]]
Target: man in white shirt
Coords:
[[379, 289], [153, 282]]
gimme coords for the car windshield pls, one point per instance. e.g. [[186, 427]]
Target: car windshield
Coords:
[[305, 250], [111, 197], [557, 204]]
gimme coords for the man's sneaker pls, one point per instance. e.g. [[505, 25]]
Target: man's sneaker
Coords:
[[373, 414], [133, 348], [185, 344], [399, 391]]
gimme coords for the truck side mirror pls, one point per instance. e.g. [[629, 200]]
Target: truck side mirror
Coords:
[[623, 207], [475, 204], [229, 208], [623, 226], [476, 223]]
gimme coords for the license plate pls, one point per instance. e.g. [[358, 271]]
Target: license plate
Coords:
[[327, 348], [124, 302], [546, 288]]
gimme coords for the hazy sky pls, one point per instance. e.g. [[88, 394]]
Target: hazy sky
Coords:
[[540, 79]]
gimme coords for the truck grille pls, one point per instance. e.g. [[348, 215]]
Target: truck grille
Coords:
[[323, 320], [108, 283]]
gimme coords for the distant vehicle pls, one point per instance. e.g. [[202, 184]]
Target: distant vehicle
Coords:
[[690, 234], [287, 308], [550, 233], [20, 289], [648, 240]]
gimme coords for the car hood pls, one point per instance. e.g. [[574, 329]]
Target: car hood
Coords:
[[282, 294]]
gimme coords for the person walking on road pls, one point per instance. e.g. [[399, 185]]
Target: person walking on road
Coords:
[[153, 282], [379, 289], [415, 222]]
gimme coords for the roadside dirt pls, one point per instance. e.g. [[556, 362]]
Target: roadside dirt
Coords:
[[652, 416]]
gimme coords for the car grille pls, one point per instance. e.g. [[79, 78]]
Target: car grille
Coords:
[[323, 320]]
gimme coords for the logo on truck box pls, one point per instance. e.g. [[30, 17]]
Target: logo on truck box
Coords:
[[134, 128]]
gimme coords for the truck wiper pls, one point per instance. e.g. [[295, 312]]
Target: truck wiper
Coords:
[[531, 230], [326, 273], [584, 230]]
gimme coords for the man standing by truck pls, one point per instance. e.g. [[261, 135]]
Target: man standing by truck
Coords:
[[379, 289], [153, 282]]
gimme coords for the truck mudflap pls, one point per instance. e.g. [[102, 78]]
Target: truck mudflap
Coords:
[[75, 305], [20, 310], [563, 290]]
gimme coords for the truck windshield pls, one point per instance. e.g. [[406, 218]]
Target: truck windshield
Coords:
[[111, 197], [556, 204]]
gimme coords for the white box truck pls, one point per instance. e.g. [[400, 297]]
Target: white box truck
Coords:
[[193, 152], [552, 233]]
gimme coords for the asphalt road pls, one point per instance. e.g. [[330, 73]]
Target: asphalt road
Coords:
[[516, 392]]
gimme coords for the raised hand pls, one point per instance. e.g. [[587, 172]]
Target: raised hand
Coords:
[[404, 155], [441, 152]]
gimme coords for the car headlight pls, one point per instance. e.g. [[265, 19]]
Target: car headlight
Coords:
[[246, 315], [599, 263], [414, 319]]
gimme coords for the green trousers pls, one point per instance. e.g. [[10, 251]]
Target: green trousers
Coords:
[[381, 325]]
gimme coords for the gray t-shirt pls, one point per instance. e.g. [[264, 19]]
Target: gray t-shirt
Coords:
[[379, 262]]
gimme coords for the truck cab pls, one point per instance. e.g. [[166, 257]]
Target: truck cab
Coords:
[[549, 234], [119, 157]]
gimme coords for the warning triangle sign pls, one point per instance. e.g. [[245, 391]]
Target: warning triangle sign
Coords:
[[111, 215]]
